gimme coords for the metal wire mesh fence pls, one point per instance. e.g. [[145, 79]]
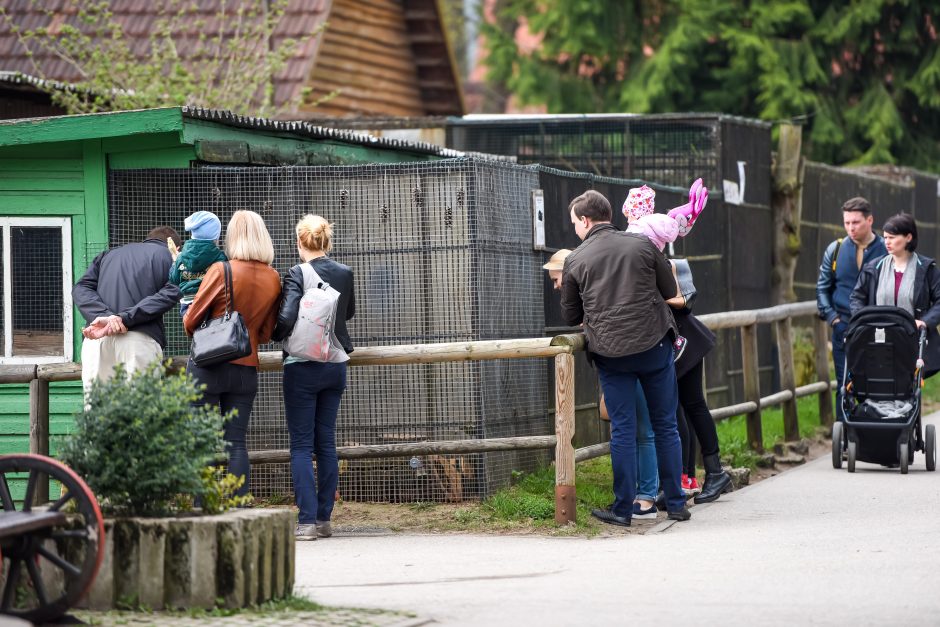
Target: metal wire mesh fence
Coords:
[[667, 149], [36, 290], [825, 188], [441, 251]]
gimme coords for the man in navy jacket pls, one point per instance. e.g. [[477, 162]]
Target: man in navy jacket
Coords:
[[838, 273], [123, 297]]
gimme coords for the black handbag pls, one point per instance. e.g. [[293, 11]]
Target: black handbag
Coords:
[[221, 339]]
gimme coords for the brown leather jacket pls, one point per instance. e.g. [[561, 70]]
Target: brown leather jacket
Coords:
[[257, 296], [615, 283]]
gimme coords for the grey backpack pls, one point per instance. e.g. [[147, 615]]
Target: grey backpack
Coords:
[[314, 335]]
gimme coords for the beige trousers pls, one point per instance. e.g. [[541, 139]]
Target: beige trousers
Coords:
[[134, 349]]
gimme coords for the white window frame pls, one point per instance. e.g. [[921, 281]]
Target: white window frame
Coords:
[[65, 226]]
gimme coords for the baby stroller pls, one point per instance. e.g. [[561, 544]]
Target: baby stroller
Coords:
[[881, 392]]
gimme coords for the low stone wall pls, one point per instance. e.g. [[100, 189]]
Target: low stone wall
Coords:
[[236, 559]]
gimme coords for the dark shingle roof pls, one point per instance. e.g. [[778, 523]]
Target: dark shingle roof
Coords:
[[139, 18], [313, 131]]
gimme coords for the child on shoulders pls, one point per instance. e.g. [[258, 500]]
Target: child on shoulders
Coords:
[[198, 254]]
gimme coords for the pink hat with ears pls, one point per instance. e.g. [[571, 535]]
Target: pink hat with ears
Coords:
[[641, 201], [659, 228]]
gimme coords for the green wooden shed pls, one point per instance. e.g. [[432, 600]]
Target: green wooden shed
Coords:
[[54, 214]]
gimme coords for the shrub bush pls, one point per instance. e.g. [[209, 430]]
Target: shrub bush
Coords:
[[139, 441]]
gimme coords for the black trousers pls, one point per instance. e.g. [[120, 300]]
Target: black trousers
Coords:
[[692, 400]]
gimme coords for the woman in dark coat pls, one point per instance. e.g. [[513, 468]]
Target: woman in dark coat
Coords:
[[904, 279], [690, 367]]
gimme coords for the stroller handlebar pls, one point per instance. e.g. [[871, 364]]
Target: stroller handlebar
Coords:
[[921, 340]]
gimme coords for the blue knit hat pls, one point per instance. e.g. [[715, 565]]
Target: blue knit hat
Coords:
[[203, 225]]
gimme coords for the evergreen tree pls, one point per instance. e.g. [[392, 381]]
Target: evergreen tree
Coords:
[[863, 74]]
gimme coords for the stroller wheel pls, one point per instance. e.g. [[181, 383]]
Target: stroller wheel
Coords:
[[837, 445], [905, 448], [852, 446], [930, 446]]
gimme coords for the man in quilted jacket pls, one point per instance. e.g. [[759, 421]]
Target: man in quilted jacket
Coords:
[[616, 284]]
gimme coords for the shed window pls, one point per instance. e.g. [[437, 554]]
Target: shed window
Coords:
[[35, 285]]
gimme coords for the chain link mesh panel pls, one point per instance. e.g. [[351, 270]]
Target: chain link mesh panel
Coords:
[[668, 149], [36, 273], [441, 252]]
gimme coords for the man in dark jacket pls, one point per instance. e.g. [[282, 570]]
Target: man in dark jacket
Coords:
[[616, 283], [123, 297], [838, 273]]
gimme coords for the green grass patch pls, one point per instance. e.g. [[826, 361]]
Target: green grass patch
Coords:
[[531, 501], [732, 433], [930, 394]]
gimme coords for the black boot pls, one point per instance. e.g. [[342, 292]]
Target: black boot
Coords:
[[717, 481]]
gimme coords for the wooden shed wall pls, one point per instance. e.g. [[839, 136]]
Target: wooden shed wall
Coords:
[[367, 55]]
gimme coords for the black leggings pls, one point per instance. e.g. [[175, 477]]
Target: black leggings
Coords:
[[687, 438], [692, 399]]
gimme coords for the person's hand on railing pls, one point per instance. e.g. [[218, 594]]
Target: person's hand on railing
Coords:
[[920, 324]]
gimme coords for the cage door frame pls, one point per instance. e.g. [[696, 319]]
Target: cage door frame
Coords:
[[64, 224]]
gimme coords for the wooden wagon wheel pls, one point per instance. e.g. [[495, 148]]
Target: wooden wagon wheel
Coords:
[[52, 553]]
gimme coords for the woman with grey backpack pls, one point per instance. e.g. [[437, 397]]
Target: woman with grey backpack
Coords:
[[317, 301]]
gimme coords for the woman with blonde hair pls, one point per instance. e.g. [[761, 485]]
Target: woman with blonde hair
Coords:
[[316, 347], [256, 291]]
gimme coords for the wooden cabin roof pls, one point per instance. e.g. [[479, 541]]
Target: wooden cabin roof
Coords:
[[385, 57]]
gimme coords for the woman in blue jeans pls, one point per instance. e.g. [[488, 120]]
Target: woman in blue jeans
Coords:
[[314, 380]]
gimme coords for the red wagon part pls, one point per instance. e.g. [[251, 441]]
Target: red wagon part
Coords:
[[51, 553]]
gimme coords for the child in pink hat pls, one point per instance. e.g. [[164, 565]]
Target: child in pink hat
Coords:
[[662, 229], [640, 207]]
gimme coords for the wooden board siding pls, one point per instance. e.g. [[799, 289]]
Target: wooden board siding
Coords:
[[65, 399], [41, 187], [366, 54], [436, 65]]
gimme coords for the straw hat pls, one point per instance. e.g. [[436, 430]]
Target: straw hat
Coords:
[[557, 261]]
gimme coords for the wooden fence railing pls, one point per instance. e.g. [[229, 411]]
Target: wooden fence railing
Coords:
[[561, 348]]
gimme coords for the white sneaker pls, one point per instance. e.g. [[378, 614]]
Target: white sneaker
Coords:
[[324, 529], [305, 532]]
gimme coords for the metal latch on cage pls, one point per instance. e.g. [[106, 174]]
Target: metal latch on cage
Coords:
[[538, 219]]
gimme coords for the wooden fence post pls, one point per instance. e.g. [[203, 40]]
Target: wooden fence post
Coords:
[[749, 365], [791, 424], [39, 430], [821, 340], [565, 505]]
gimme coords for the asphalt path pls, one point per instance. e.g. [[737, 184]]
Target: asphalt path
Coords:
[[811, 546]]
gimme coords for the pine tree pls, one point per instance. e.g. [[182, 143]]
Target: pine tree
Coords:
[[863, 74]]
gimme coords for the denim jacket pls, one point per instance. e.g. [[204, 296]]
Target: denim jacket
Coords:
[[834, 287]]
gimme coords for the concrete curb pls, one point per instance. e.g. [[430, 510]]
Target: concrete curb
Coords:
[[236, 559]]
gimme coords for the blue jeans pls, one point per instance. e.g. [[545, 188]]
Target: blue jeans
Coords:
[[647, 474], [656, 373], [231, 386], [838, 358], [312, 391]]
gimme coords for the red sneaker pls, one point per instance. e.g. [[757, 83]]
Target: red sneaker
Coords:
[[686, 482], [693, 483]]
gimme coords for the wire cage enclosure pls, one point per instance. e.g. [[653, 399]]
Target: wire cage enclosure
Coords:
[[442, 252], [668, 149]]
